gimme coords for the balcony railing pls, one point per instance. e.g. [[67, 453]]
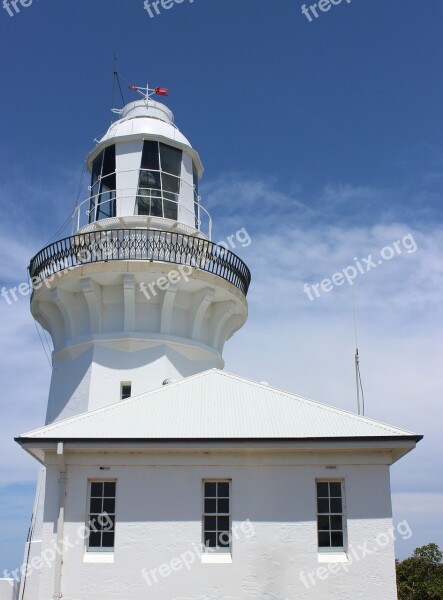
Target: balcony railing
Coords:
[[139, 244]]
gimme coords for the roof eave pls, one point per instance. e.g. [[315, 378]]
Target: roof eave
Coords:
[[401, 445]]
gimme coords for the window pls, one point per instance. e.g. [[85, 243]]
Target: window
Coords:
[[101, 517], [217, 515], [103, 185], [126, 389], [159, 182], [330, 516]]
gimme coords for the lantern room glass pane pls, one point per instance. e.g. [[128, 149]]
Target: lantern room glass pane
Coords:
[[97, 168], [171, 159], [171, 183], [150, 159], [108, 161], [150, 180], [170, 209]]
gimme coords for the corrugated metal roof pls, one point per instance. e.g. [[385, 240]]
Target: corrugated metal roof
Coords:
[[217, 405]]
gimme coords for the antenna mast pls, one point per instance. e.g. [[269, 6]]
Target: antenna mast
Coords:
[[360, 406]]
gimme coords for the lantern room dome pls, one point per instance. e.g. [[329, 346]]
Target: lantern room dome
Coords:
[[144, 119]]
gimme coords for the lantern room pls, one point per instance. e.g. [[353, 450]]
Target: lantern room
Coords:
[[145, 173]]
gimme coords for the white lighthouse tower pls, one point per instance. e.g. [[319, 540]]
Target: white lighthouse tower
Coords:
[[139, 294], [163, 476]]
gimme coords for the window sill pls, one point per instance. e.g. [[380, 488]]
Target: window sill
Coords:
[[217, 558], [333, 557], [98, 557]]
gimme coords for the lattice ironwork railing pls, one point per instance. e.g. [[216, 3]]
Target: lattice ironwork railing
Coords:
[[140, 244]]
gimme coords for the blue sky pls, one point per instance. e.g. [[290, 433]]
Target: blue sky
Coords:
[[323, 139]]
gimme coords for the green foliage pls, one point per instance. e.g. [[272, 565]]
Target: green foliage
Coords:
[[420, 577]]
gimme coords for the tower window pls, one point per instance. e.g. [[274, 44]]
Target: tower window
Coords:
[[330, 516], [101, 517], [217, 515], [126, 390]]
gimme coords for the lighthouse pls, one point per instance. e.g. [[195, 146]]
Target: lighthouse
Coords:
[[162, 475], [139, 295]]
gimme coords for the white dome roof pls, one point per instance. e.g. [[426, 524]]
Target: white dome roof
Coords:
[[143, 119]]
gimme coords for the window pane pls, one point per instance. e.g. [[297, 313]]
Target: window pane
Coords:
[[94, 523], [109, 505], [126, 391], [94, 539], [109, 161], [170, 159], [96, 489], [223, 523], [223, 489], [322, 489], [150, 156], [108, 539], [170, 183], [108, 184], [323, 539], [97, 168], [170, 210], [335, 489], [95, 189], [224, 539], [336, 505], [156, 207], [210, 523], [210, 539], [337, 523], [106, 205], [210, 489], [96, 505], [223, 506], [107, 522], [149, 180], [323, 523], [337, 539], [210, 506], [109, 489], [322, 505]]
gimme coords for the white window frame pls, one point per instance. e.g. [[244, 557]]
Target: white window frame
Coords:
[[217, 549], [332, 549], [99, 549]]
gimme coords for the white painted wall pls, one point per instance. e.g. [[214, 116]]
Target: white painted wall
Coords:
[[127, 162], [92, 379], [186, 212], [106, 330], [159, 518], [8, 589]]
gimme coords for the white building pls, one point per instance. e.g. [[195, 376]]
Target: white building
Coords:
[[164, 477]]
